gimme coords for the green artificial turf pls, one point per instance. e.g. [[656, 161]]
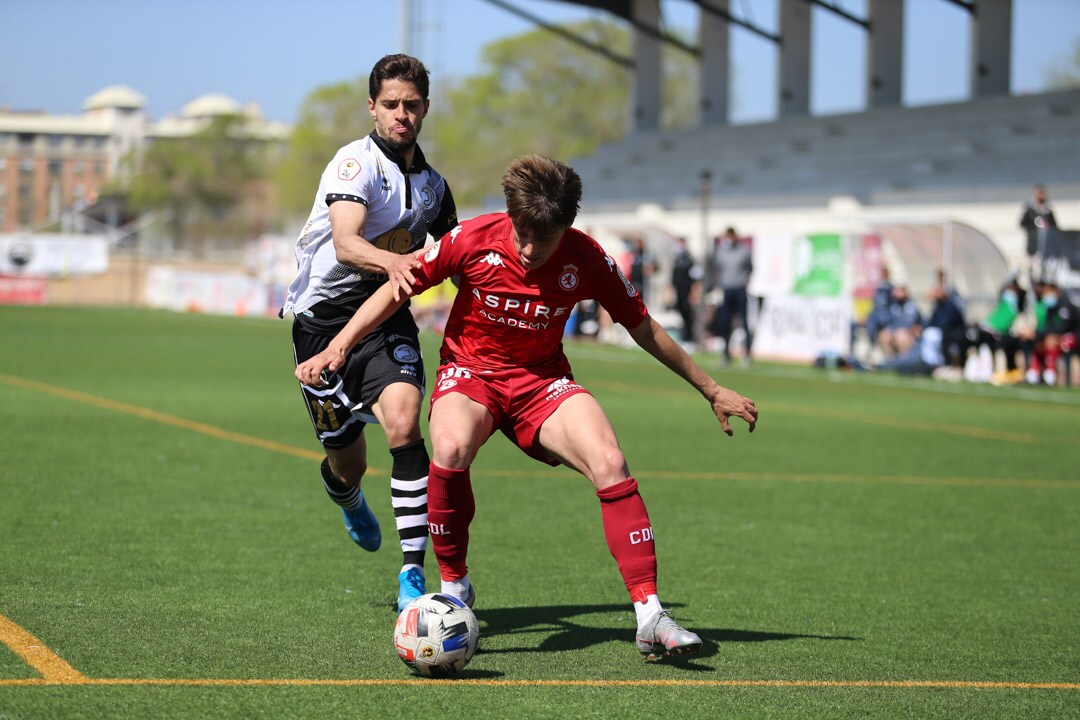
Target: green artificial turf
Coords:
[[880, 547]]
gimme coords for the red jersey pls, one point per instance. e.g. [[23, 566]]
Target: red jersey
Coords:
[[507, 316]]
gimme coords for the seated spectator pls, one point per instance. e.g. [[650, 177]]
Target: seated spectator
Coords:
[[947, 315], [1056, 326], [922, 358], [995, 331], [878, 317], [903, 326]]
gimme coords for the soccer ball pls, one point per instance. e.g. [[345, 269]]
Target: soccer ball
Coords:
[[436, 635]]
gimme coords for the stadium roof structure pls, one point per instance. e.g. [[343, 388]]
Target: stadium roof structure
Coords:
[[989, 74]]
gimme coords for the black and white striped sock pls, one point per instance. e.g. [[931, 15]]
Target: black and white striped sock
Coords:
[[345, 496], [408, 494]]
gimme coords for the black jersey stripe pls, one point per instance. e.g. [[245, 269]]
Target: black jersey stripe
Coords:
[[332, 198]]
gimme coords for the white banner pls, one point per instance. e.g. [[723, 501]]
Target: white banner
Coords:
[[215, 293], [801, 328], [53, 255]]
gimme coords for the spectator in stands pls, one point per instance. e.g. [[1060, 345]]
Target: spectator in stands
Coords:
[[995, 332], [1037, 218], [947, 321], [732, 266], [904, 324], [686, 283], [922, 358], [878, 317], [1056, 328]]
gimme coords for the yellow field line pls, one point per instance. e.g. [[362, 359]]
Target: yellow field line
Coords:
[[902, 423], [416, 682], [230, 436], [55, 671], [156, 416], [52, 668]]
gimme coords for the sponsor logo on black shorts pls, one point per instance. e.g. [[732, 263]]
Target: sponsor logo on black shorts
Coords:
[[406, 354]]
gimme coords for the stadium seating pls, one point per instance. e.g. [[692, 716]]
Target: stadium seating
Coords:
[[983, 150]]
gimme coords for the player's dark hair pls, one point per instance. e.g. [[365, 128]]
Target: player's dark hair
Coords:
[[398, 67], [542, 195]]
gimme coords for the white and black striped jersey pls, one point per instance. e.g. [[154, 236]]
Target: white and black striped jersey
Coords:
[[403, 204]]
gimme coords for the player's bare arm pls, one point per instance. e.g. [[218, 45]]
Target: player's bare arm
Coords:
[[652, 338], [375, 310], [347, 221]]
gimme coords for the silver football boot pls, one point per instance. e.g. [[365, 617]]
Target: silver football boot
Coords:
[[662, 636]]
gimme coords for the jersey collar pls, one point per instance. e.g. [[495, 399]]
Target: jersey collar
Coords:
[[419, 161]]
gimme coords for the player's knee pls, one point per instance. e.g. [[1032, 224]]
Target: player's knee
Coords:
[[451, 453], [401, 428], [609, 466]]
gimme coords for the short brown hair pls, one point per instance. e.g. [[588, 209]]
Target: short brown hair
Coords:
[[398, 67], [542, 195]]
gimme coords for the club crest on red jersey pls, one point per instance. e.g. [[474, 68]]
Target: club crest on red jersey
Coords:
[[569, 278]]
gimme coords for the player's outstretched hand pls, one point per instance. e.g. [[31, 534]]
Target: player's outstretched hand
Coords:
[[728, 404], [399, 272], [310, 371]]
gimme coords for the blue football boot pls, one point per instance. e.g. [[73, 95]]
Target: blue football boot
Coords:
[[413, 585], [363, 527]]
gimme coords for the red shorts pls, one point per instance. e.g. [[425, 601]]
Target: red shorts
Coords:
[[519, 399]]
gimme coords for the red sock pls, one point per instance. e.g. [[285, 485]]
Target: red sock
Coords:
[[450, 511], [629, 537], [1051, 358]]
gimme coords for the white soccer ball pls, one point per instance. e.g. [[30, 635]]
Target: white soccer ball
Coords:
[[436, 635]]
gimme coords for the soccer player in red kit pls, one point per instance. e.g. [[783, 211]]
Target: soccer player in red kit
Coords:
[[503, 368]]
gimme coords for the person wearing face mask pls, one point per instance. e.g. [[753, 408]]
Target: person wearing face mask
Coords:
[[1055, 333], [995, 332]]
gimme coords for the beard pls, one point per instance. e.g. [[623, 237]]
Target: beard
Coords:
[[399, 145]]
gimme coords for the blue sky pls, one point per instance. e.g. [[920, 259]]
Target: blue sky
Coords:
[[53, 55]]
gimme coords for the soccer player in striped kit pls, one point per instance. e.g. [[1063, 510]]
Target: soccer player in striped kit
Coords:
[[377, 201]]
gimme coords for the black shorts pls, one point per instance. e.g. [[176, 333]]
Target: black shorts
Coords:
[[340, 408]]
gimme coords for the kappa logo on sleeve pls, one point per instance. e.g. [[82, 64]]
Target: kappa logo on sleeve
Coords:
[[348, 169], [613, 266]]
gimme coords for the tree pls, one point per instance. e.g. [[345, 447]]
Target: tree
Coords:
[[202, 179], [332, 116], [543, 94], [539, 94], [1067, 75]]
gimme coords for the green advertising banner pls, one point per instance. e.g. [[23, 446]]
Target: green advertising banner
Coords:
[[819, 266]]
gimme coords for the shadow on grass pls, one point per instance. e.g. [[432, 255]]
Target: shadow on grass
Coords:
[[562, 634]]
